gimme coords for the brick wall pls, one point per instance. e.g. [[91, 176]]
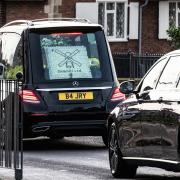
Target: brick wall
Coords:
[[24, 10], [68, 8], [2, 13], [150, 41]]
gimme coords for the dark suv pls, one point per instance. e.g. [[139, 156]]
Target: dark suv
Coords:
[[69, 80]]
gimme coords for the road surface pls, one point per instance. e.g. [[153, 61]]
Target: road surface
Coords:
[[74, 158]]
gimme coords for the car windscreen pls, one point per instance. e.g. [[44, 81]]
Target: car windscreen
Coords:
[[68, 55]]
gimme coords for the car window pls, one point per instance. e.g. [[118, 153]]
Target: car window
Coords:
[[69, 54], [151, 78], [10, 55], [170, 75]]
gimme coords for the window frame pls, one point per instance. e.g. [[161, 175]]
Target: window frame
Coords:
[[139, 87], [177, 12], [113, 38], [84, 45], [175, 85], [107, 73]]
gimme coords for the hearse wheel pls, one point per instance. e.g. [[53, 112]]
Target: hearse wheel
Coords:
[[119, 168]]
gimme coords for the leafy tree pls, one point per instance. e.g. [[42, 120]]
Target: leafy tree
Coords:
[[174, 35]]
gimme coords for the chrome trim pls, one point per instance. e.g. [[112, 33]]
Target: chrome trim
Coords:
[[41, 129], [75, 89], [151, 159]]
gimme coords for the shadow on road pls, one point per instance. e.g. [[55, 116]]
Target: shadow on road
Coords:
[[138, 177], [91, 144], [72, 143], [149, 177]]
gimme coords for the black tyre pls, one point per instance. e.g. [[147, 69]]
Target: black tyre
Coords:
[[119, 168]]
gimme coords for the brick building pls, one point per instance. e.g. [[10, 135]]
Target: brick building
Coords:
[[119, 17]]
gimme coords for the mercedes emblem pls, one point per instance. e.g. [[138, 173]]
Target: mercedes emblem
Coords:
[[75, 83]]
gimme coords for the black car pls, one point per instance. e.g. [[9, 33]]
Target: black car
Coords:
[[145, 128], [68, 75]]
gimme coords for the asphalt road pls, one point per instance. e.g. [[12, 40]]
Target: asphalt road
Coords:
[[75, 158]]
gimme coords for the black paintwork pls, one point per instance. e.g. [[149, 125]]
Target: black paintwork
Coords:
[[52, 117], [71, 117], [148, 124]]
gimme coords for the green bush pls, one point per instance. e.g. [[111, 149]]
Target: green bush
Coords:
[[12, 71], [174, 35]]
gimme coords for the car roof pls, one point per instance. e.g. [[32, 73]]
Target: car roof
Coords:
[[173, 52], [19, 26]]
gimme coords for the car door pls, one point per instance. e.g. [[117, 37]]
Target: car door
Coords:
[[138, 120], [150, 107], [129, 127], [170, 94]]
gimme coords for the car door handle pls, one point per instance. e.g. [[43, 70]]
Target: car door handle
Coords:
[[140, 101]]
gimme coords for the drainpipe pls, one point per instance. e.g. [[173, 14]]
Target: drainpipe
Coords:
[[140, 25]]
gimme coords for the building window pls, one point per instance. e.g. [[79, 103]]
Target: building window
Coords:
[[113, 16], [174, 14]]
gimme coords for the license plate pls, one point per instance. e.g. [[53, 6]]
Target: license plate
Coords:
[[75, 96]]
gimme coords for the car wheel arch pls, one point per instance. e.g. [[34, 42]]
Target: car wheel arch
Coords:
[[110, 122]]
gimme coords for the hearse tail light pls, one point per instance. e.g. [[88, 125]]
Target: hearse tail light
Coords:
[[29, 96], [39, 114], [117, 95]]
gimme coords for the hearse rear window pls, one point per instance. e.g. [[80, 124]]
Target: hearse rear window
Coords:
[[69, 55]]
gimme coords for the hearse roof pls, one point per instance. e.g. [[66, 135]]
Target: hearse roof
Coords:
[[19, 26]]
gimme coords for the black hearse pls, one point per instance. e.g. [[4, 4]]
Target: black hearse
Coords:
[[69, 79]]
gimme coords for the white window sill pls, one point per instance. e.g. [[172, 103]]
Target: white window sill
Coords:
[[117, 40], [112, 1]]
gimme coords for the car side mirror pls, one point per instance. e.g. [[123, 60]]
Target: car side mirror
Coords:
[[127, 87], [19, 75]]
